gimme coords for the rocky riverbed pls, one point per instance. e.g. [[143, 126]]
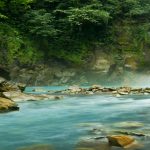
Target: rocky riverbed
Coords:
[[14, 92], [11, 93], [97, 89]]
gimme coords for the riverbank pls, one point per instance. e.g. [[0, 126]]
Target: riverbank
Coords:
[[12, 93]]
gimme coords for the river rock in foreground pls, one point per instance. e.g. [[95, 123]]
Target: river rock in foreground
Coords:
[[121, 141], [7, 105], [18, 96]]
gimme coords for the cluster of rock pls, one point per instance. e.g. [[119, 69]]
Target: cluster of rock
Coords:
[[124, 136], [11, 93], [6, 104], [9, 86], [106, 143], [96, 89]]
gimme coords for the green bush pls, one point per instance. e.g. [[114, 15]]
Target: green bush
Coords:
[[13, 47]]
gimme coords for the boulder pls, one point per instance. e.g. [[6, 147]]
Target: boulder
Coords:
[[121, 141], [7, 105], [124, 90], [8, 86], [73, 90], [18, 96]]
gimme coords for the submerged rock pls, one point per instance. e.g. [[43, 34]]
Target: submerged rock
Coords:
[[93, 144], [18, 96], [7, 105], [121, 141], [129, 124], [37, 147]]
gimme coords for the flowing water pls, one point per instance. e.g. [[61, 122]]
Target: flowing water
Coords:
[[63, 123]]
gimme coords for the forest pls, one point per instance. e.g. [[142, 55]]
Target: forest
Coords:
[[33, 31], [74, 74]]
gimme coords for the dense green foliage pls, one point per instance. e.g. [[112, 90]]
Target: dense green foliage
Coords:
[[33, 30]]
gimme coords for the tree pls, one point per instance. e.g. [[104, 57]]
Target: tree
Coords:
[[41, 23]]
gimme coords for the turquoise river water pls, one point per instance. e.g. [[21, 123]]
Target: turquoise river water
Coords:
[[63, 123]]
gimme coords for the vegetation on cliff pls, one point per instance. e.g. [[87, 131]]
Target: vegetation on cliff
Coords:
[[32, 31]]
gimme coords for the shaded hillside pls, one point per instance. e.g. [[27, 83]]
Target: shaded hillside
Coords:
[[53, 42], [33, 31]]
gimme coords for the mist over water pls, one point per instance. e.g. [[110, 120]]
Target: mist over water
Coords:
[[137, 79], [128, 78]]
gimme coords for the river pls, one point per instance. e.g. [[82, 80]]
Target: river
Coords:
[[63, 123]]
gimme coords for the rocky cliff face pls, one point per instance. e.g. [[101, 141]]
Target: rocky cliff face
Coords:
[[104, 68]]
